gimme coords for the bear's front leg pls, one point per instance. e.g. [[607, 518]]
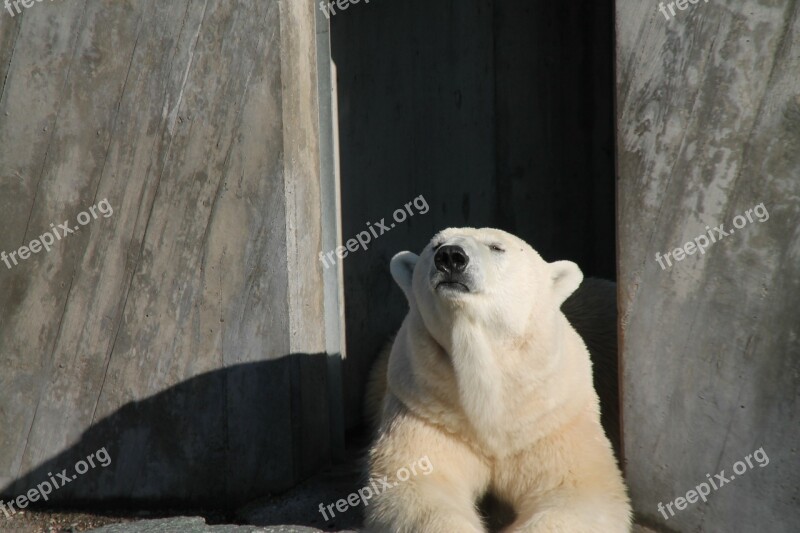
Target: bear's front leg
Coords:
[[574, 514], [433, 479]]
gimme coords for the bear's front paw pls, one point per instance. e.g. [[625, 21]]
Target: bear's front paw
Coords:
[[439, 524], [573, 520]]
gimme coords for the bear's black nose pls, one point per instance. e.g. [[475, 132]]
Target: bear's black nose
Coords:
[[451, 259]]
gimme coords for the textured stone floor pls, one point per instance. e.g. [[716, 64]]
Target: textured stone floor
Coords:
[[198, 525], [195, 525]]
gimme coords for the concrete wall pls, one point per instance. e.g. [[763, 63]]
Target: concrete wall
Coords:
[[498, 112], [185, 333], [709, 128]]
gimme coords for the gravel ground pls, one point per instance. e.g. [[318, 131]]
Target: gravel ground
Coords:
[[75, 522], [66, 521], [55, 522]]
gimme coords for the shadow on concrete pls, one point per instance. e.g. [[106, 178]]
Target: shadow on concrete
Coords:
[[220, 439]]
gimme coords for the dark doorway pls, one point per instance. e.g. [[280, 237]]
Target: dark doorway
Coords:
[[498, 112]]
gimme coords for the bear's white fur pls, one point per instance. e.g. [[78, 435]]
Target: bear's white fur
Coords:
[[591, 310], [489, 381]]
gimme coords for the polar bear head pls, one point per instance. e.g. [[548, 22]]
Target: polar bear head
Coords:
[[486, 276]]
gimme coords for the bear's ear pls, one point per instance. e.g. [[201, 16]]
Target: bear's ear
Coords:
[[566, 278], [402, 268]]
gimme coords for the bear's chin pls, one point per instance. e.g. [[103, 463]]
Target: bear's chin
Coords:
[[447, 287]]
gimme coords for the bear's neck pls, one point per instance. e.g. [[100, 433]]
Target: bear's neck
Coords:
[[479, 379], [505, 384]]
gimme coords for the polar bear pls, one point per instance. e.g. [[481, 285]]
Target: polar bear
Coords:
[[489, 381], [592, 311]]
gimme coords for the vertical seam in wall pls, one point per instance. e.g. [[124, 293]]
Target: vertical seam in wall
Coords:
[[330, 221], [283, 24], [97, 190], [51, 361], [616, 144], [10, 59], [291, 33]]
